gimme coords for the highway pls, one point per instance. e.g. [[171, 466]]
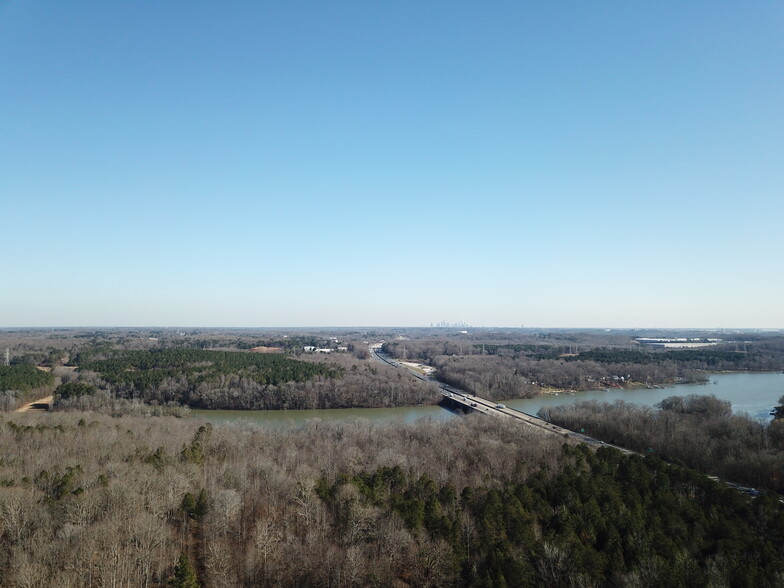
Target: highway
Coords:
[[482, 405], [470, 403]]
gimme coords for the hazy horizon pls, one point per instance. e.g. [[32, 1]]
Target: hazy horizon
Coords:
[[396, 327]]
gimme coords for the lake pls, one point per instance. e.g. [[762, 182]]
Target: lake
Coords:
[[752, 393]]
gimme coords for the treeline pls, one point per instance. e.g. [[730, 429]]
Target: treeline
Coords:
[[145, 369], [505, 377], [87, 499], [23, 378], [244, 381], [74, 389], [719, 358], [51, 357], [289, 343], [203, 378], [532, 350], [104, 402], [699, 432], [496, 378]]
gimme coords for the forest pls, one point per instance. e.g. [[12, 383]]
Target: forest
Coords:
[[696, 431], [20, 383], [241, 380], [23, 377], [208, 368], [94, 500], [142, 370], [500, 377]]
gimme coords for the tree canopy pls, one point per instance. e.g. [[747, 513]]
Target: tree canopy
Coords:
[[23, 377]]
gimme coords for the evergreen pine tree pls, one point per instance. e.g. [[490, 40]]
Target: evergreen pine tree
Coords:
[[184, 574]]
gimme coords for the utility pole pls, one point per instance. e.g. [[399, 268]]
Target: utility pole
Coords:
[[7, 356]]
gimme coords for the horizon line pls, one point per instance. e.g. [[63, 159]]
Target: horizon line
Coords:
[[461, 328]]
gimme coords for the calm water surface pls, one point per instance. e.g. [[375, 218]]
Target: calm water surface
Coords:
[[752, 393]]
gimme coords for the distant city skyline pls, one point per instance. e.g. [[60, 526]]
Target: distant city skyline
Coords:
[[242, 164]]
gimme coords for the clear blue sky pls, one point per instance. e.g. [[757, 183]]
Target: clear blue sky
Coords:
[[550, 164]]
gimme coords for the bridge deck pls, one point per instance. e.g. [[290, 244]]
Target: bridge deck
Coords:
[[481, 405]]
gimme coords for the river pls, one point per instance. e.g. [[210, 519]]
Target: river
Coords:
[[752, 393]]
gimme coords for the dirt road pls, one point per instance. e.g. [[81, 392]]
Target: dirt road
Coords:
[[29, 406]]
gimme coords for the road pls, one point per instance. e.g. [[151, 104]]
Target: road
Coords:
[[471, 403], [48, 400], [488, 407]]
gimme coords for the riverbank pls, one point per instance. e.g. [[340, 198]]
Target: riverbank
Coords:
[[753, 393]]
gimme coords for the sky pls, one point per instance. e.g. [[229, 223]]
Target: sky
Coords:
[[268, 164]]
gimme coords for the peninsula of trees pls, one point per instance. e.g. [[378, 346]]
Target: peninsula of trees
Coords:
[[241, 380]]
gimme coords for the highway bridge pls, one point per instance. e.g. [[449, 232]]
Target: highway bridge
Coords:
[[456, 399]]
